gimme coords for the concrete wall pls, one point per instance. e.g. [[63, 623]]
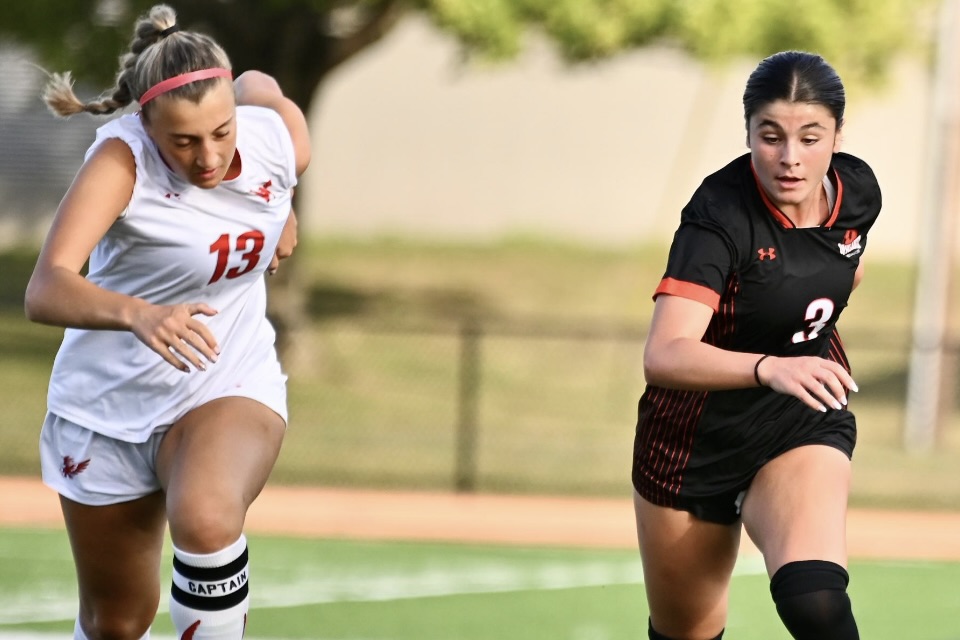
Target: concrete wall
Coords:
[[410, 141]]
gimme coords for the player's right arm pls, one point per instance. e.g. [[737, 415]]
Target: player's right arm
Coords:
[[675, 357], [59, 295]]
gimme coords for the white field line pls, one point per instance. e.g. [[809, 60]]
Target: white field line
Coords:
[[47, 603]]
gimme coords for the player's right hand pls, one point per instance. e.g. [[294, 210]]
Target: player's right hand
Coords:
[[176, 335]]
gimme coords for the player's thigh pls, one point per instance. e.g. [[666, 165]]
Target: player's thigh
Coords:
[[212, 464], [796, 506], [117, 551], [687, 564]]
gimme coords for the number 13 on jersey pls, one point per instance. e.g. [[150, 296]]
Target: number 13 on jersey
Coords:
[[248, 245]]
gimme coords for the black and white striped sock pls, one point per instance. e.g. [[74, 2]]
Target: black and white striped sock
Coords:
[[210, 594]]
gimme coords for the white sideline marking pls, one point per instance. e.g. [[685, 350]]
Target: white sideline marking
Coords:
[[48, 604]]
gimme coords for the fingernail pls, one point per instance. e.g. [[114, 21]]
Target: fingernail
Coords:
[[213, 358], [854, 387], [844, 400], [837, 406], [823, 409]]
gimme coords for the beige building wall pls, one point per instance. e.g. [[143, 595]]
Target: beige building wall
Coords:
[[408, 140]]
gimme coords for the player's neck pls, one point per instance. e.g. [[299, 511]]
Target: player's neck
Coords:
[[812, 213]]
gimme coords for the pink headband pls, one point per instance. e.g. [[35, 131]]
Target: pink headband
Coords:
[[184, 78]]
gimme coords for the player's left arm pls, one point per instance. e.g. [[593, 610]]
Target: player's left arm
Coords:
[[259, 89]]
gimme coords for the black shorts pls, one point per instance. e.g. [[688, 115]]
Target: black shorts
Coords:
[[719, 466]]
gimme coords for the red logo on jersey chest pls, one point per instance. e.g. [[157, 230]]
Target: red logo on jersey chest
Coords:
[[264, 190], [764, 254]]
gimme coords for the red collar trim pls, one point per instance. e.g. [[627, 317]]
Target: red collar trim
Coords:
[[782, 218]]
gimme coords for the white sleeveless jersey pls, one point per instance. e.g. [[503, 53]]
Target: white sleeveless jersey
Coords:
[[177, 243]]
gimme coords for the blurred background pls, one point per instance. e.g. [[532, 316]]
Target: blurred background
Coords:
[[493, 190]]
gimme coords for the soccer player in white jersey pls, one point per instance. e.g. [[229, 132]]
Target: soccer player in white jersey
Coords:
[[167, 402]]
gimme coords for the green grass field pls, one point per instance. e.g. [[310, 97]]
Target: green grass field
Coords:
[[342, 590], [374, 403]]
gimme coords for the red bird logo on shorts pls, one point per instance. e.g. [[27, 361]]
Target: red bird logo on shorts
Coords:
[[70, 470]]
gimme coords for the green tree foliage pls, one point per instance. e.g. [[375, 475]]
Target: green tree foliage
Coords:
[[860, 37], [300, 41]]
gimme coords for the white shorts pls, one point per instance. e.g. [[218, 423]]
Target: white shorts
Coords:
[[94, 469]]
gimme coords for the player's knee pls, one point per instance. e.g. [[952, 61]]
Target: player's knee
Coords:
[[205, 530], [811, 598], [111, 626]]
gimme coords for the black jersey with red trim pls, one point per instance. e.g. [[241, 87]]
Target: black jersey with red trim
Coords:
[[774, 289]]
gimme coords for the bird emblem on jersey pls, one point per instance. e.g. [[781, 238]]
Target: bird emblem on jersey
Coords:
[[851, 243], [264, 190], [767, 254], [69, 469]]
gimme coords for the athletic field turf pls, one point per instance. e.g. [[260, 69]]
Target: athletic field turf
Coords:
[[343, 590]]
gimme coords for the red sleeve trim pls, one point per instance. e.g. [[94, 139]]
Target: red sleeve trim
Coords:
[[699, 293]]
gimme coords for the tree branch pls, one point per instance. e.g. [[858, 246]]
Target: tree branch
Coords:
[[381, 20]]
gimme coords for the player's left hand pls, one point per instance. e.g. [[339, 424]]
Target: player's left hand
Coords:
[[818, 382], [288, 242]]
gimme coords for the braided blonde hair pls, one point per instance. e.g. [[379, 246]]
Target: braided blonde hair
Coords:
[[157, 52]]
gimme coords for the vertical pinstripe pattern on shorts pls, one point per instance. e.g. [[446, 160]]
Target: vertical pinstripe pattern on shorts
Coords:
[[836, 352], [669, 423], [666, 437]]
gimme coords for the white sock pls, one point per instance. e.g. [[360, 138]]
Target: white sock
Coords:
[[209, 599]]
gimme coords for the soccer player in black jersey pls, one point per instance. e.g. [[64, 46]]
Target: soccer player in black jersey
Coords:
[[744, 420]]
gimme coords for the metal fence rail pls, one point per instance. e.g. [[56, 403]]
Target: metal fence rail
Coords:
[[478, 405]]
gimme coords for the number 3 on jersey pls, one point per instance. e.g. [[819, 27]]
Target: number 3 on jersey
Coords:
[[818, 315], [248, 244]]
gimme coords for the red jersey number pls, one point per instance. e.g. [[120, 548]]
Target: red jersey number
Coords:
[[248, 244]]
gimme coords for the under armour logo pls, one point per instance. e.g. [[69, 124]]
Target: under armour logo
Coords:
[[264, 190], [767, 253], [70, 470]]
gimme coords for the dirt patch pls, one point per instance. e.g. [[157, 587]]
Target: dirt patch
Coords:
[[519, 520]]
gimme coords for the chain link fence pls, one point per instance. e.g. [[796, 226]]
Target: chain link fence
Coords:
[[479, 405]]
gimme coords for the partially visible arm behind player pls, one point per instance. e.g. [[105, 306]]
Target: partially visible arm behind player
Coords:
[[259, 89]]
